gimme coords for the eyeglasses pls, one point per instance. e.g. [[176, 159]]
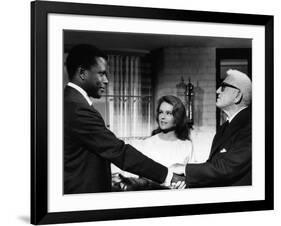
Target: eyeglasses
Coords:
[[224, 84]]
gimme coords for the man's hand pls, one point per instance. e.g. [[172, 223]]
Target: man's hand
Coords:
[[178, 185], [177, 168], [178, 182], [121, 183]]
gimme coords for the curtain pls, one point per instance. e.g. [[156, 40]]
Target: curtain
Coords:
[[129, 97]]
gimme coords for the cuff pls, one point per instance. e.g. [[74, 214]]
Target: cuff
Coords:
[[168, 179]]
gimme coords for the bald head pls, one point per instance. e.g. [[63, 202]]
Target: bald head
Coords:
[[241, 81]]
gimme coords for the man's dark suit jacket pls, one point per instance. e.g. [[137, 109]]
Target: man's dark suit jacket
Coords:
[[89, 148], [230, 159]]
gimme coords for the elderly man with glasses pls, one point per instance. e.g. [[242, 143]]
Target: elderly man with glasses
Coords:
[[230, 159]]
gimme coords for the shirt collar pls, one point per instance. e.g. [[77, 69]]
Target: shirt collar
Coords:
[[229, 119], [82, 91]]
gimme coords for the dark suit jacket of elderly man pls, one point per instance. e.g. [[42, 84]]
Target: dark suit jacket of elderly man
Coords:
[[89, 148], [230, 159]]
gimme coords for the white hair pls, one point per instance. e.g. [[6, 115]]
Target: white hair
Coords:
[[243, 82]]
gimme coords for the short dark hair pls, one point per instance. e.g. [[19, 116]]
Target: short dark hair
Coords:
[[182, 129], [83, 56]]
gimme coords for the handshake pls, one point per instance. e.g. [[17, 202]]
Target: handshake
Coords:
[[121, 183], [178, 179]]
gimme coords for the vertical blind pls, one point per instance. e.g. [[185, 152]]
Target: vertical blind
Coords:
[[129, 97]]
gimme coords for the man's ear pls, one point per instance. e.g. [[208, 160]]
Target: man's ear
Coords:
[[239, 97], [82, 73]]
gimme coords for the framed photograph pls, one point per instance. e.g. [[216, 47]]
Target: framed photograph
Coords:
[[146, 55]]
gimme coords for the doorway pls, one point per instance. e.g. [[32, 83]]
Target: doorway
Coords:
[[228, 58]]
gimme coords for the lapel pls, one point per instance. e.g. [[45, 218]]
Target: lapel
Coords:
[[239, 121], [73, 95]]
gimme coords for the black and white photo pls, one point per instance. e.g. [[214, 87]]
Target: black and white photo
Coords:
[[142, 112]]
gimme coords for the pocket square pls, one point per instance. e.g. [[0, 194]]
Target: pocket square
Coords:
[[223, 150]]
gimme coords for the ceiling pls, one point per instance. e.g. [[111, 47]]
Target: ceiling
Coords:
[[147, 42]]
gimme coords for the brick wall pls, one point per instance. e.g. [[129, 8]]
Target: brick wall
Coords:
[[198, 65]]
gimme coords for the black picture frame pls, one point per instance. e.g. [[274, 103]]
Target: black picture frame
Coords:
[[39, 112]]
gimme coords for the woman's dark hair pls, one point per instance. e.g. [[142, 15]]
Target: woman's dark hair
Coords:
[[182, 128], [83, 56]]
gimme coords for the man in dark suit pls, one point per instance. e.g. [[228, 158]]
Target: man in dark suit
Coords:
[[89, 147], [229, 162]]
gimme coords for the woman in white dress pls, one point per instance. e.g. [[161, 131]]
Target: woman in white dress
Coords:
[[169, 144]]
